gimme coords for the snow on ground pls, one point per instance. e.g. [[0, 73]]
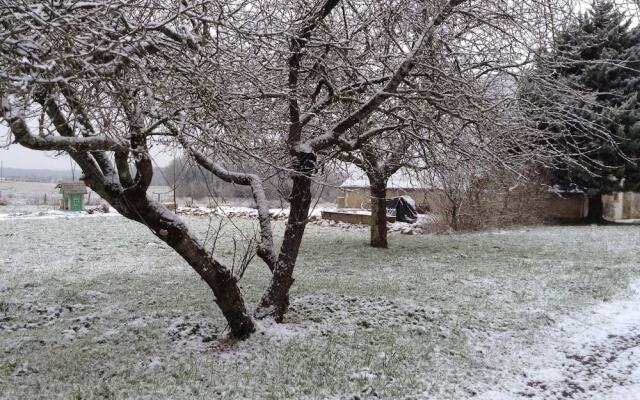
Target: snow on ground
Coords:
[[628, 221], [315, 217], [240, 211], [587, 355], [56, 214], [100, 308]]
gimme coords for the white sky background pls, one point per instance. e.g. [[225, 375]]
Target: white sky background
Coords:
[[16, 156]]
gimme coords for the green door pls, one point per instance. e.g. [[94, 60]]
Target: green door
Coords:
[[76, 202]]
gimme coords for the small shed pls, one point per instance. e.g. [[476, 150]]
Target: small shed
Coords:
[[72, 195]]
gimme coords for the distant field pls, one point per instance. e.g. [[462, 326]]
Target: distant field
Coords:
[[32, 193], [36, 193], [45, 194], [99, 308]]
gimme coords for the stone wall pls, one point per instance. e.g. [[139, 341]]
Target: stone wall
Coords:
[[566, 207], [572, 206], [351, 218], [621, 205]]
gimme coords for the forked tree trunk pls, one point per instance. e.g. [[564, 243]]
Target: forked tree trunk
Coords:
[[378, 229], [275, 300], [219, 278], [596, 209]]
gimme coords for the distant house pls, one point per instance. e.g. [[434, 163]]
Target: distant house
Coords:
[[356, 191], [72, 195]]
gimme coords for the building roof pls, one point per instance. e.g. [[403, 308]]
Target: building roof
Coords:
[[76, 187], [399, 180]]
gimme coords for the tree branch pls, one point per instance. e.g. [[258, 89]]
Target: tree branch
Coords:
[[73, 144], [402, 71], [266, 249], [297, 45]]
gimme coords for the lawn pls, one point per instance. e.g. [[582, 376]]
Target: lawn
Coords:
[[99, 308]]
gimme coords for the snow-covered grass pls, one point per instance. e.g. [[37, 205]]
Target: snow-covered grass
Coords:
[[99, 308], [21, 193], [35, 212], [594, 354]]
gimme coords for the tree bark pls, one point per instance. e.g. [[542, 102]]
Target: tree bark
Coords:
[[275, 300], [378, 229], [170, 229], [596, 209], [220, 279]]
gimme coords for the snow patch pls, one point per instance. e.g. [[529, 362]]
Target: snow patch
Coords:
[[585, 356], [55, 214], [363, 374], [278, 332]]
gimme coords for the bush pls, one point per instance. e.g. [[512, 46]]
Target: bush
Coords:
[[495, 199]]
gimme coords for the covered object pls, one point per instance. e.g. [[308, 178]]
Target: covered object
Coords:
[[404, 209]]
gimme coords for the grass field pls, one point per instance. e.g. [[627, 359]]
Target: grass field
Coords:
[[19, 194], [99, 308]]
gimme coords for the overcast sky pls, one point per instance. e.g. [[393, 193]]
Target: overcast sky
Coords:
[[16, 156]]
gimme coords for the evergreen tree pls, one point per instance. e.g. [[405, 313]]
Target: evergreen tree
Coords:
[[599, 54]]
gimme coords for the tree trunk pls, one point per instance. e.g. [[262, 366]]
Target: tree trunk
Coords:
[[596, 209], [275, 300], [170, 229], [100, 175], [454, 215], [378, 229]]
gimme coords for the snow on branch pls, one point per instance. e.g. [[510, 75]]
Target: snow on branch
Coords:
[[401, 72], [23, 136], [265, 249]]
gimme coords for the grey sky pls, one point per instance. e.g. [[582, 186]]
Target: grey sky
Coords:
[[16, 156], [19, 157]]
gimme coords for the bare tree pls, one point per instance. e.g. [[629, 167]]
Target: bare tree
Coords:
[[380, 159], [284, 85], [83, 72]]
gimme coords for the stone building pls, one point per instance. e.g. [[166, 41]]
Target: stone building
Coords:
[[356, 191]]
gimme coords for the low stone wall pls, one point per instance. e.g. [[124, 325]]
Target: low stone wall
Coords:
[[567, 207]]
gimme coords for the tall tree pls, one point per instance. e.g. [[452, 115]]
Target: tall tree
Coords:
[[598, 54], [105, 81], [379, 160]]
